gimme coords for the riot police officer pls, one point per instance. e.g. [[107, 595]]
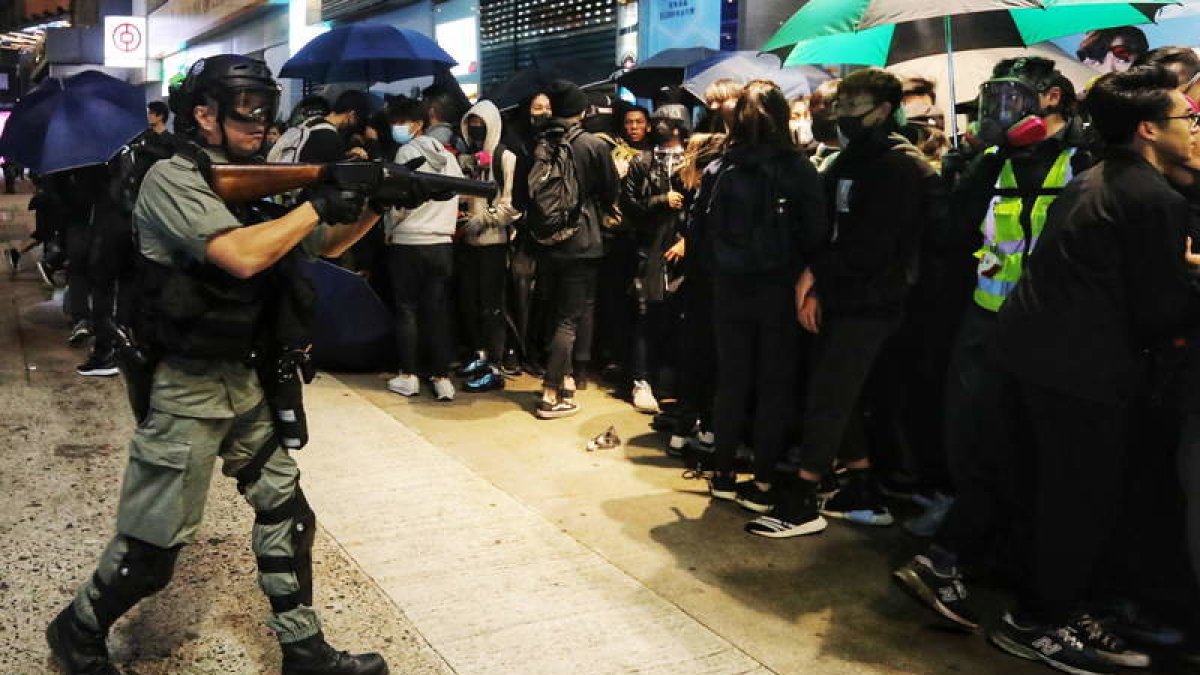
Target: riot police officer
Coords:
[[206, 399]]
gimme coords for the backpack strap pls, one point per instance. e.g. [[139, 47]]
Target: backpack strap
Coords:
[[498, 169]]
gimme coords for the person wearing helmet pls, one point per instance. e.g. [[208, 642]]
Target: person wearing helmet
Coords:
[[999, 207], [211, 294]]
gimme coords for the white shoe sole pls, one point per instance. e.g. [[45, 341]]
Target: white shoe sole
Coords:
[[99, 372], [403, 392], [866, 517], [1007, 645], [555, 414], [754, 506], [814, 526]]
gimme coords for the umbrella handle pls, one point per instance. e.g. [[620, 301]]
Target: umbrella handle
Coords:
[[950, 71]]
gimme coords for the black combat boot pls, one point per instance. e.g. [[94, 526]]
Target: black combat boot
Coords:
[[314, 656], [77, 648]]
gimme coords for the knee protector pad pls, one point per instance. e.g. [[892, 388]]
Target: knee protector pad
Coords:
[[143, 570], [303, 529]]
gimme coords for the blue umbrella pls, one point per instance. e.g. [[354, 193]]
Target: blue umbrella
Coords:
[[367, 53], [80, 121], [353, 329], [747, 66]]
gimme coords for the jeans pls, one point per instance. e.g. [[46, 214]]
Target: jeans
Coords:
[[481, 297], [756, 329], [844, 355], [420, 281], [571, 289]]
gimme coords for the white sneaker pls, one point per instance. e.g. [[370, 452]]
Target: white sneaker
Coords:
[[405, 385], [443, 388], [643, 398]]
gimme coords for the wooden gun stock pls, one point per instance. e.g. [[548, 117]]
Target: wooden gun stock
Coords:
[[241, 183]]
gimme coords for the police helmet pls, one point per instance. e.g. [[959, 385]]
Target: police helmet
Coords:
[[242, 88]]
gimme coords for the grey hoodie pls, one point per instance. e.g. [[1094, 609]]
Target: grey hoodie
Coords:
[[432, 222], [489, 225]]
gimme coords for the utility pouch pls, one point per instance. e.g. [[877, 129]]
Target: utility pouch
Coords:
[[137, 366]]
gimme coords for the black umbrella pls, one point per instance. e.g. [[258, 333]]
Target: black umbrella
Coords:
[[664, 69], [353, 329], [537, 78]]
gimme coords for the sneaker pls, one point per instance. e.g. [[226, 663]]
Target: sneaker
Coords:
[[753, 498], [705, 440], [405, 385], [828, 486], [723, 486], [643, 398], [858, 501], [795, 515], [943, 592], [1127, 620], [549, 410], [489, 380], [443, 388], [476, 367], [1107, 644], [928, 523], [46, 273], [1058, 647], [81, 331], [98, 365]]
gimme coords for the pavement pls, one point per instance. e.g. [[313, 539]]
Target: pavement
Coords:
[[463, 537]]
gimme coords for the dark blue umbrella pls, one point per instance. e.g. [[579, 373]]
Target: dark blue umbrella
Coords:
[[747, 66], [353, 329], [664, 69], [537, 78], [69, 123], [367, 53]]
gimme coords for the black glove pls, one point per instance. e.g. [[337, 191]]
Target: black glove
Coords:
[[336, 206]]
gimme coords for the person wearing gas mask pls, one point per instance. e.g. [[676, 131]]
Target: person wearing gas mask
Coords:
[[997, 211], [220, 290], [653, 203], [485, 232], [852, 299]]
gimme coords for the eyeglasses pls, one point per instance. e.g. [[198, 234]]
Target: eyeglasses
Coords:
[[1193, 119]]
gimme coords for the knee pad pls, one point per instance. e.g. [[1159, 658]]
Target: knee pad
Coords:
[[143, 570], [303, 530]]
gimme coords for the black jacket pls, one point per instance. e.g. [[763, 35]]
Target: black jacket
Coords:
[[650, 219], [598, 185], [1106, 281], [878, 200]]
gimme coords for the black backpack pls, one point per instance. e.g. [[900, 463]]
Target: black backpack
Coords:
[[555, 204], [751, 219], [129, 167]]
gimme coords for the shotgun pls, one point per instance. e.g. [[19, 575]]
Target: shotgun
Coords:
[[241, 183]]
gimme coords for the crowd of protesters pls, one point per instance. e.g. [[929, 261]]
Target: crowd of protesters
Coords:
[[828, 295]]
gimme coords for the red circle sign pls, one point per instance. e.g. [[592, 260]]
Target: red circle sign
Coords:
[[127, 37]]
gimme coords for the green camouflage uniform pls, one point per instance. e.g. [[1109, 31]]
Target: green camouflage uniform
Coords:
[[199, 410]]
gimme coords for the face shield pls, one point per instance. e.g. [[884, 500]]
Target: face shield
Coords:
[[254, 106], [1008, 113]]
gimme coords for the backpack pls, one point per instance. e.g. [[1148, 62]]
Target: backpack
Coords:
[[287, 148], [555, 204], [750, 219], [129, 167]]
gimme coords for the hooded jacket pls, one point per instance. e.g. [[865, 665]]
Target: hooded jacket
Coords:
[[432, 222], [490, 224]]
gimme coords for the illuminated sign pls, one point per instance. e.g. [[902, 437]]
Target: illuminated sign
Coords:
[[125, 41]]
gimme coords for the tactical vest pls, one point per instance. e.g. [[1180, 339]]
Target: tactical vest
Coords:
[[1006, 241]]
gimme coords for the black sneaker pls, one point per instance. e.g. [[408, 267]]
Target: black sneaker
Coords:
[[98, 365], [1127, 620], [81, 331], [944, 593], [561, 408], [749, 496], [1058, 647], [1108, 645], [858, 501], [723, 486], [795, 514]]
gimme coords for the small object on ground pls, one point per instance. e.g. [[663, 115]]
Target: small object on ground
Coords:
[[604, 441]]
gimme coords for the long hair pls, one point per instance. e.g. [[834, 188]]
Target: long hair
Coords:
[[761, 117], [702, 148]]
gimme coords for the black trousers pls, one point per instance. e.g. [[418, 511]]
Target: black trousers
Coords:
[[844, 354], [522, 276], [616, 308], [756, 331], [698, 365], [421, 278], [80, 234], [571, 289], [111, 274], [1189, 474], [1074, 461], [481, 281]]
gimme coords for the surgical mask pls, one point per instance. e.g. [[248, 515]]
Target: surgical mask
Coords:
[[477, 135], [402, 134], [802, 131]]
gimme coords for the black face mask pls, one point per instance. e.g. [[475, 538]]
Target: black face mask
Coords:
[[852, 128], [824, 129], [538, 122], [477, 135]]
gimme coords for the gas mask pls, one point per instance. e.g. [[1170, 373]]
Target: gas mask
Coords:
[[1010, 113]]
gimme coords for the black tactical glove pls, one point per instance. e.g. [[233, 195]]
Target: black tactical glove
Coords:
[[334, 205]]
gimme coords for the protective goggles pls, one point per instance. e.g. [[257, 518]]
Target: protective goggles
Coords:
[[254, 106], [1007, 101]]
